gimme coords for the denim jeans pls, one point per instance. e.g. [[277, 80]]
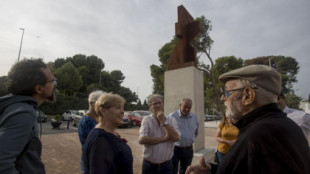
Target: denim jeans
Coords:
[[148, 168], [220, 156], [184, 156], [82, 165]]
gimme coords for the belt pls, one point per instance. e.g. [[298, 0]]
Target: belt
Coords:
[[158, 164], [183, 147]]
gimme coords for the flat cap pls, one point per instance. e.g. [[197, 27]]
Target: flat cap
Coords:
[[262, 75]]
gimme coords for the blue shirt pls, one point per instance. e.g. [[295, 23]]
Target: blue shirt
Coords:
[[85, 126], [188, 128]]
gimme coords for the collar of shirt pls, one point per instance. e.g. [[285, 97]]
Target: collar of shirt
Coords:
[[182, 116]]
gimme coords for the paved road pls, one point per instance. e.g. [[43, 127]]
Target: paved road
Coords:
[[48, 129], [61, 147]]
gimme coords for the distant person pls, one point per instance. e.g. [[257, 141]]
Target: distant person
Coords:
[[188, 127], [104, 151], [89, 120], [158, 134], [226, 135], [268, 141], [30, 83], [299, 117]]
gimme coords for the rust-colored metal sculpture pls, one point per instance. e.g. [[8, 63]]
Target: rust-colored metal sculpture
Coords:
[[184, 55]]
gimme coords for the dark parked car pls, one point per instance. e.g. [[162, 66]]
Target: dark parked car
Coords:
[[41, 117], [126, 122]]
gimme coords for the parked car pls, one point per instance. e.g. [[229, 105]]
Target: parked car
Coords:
[[41, 117], [209, 117], [217, 117], [143, 112], [77, 117], [68, 115], [134, 118], [126, 122]]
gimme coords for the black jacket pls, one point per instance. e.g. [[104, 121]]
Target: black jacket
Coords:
[[20, 146], [268, 142]]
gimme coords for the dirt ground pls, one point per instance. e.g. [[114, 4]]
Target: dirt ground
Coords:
[[61, 151]]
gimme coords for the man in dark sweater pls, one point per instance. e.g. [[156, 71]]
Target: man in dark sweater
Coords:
[[268, 141], [30, 83]]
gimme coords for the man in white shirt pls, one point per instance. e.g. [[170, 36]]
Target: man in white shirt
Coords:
[[158, 134], [299, 117]]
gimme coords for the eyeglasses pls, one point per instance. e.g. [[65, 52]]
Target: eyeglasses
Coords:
[[227, 93], [54, 81], [157, 103]]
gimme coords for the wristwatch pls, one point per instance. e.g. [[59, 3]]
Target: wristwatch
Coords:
[[165, 123]]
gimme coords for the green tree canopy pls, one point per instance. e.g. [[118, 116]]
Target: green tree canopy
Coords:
[[145, 105], [3, 86], [68, 78], [292, 100], [89, 67], [221, 66], [77, 77], [117, 77], [287, 66], [157, 72], [203, 42]]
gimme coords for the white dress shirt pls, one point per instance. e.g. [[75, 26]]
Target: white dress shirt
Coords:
[[157, 153]]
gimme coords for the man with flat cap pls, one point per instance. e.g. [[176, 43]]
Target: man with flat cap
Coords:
[[268, 141]]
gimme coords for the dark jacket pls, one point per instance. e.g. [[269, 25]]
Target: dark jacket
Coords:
[[268, 142], [20, 146]]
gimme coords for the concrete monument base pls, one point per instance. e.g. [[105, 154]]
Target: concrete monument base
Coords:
[[186, 83], [208, 155]]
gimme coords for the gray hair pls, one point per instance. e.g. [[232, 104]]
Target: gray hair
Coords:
[[184, 99], [152, 97], [262, 95], [93, 96]]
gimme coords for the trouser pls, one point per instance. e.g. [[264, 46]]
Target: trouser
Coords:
[[152, 168], [82, 164], [220, 156], [184, 156]]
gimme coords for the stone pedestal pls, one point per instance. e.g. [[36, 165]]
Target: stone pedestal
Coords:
[[186, 83]]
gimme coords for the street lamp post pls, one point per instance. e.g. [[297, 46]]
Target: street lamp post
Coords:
[[21, 43]]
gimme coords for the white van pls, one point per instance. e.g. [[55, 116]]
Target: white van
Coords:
[[68, 115]]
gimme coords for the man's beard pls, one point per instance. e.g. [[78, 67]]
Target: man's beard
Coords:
[[232, 111], [52, 98]]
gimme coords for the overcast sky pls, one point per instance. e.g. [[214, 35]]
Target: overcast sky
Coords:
[[127, 34]]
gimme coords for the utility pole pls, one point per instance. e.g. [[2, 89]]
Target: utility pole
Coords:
[[21, 43]]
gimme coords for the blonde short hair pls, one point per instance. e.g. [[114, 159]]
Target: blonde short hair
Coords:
[[106, 101]]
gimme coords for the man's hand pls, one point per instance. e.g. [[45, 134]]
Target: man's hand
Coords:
[[201, 168], [167, 137], [161, 117]]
